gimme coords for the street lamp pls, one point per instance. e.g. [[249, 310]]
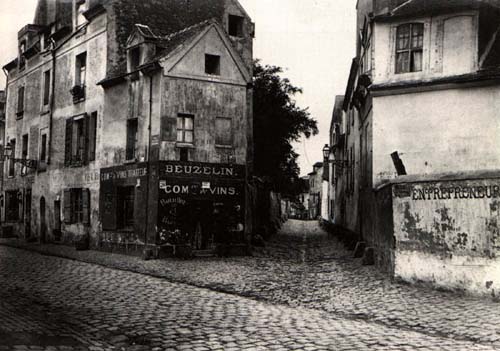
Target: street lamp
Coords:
[[326, 152], [7, 154]]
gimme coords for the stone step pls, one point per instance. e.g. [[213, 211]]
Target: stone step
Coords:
[[204, 253]]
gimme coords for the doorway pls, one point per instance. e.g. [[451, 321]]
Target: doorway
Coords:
[[43, 224], [57, 220], [202, 220], [27, 214]]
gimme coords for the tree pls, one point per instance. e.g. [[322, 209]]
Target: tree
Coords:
[[278, 122]]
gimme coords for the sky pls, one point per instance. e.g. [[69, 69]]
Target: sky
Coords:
[[313, 40]]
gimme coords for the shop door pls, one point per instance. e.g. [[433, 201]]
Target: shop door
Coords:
[[203, 234], [57, 220]]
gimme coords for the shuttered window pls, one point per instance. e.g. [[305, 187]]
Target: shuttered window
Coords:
[[223, 131], [80, 145], [77, 206], [20, 102], [132, 128]]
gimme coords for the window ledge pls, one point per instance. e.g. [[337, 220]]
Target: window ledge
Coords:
[[224, 146], [131, 161], [44, 111], [184, 145]]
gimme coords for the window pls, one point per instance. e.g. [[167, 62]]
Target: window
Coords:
[[81, 7], [134, 58], [409, 48], [185, 128], [43, 149], [24, 154], [77, 206], [80, 139], [12, 165], [132, 127], [125, 207], [235, 26], [46, 88], [22, 59], [223, 131], [12, 205], [20, 102], [212, 64], [81, 69]]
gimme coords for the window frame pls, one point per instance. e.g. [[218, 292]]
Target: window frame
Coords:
[[183, 129], [86, 145], [21, 96], [235, 25], [131, 148], [46, 93], [11, 165], [410, 49]]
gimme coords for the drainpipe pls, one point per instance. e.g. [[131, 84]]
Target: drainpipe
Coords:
[[148, 167], [52, 97], [4, 142]]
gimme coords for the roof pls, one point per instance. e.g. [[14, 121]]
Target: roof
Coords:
[[337, 109], [426, 7], [163, 17]]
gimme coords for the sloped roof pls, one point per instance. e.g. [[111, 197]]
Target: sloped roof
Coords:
[[424, 7], [163, 17]]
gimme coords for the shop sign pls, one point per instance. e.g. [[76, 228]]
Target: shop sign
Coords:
[[123, 174], [195, 169]]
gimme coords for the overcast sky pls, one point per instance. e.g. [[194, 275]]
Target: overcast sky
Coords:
[[312, 39]]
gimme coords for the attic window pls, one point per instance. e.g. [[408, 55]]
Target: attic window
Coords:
[[134, 58], [235, 26], [22, 50], [212, 64], [81, 7]]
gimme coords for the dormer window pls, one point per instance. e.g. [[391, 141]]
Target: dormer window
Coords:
[[134, 58], [81, 7], [409, 48], [235, 26], [22, 50]]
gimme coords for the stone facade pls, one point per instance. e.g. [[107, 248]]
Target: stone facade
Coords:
[[106, 110]]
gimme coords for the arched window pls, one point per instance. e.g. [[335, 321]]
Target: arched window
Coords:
[[409, 47]]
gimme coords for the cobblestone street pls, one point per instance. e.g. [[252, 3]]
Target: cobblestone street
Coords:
[[54, 303]]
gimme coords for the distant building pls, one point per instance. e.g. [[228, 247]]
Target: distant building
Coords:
[[315, 190], [139, 117], [418, 116]]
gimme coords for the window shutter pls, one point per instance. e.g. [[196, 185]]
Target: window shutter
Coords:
[[86, 205], [168, 128], [67, 206], [68, 141], [92, 135], [86, 132]]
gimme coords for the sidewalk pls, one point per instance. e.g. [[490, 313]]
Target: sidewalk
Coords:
[[342, 287]]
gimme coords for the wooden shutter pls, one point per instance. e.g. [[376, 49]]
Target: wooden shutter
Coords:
[[86, 206], [168, 128], [86, 124], [67, 206], [68, 142], [92, 136]]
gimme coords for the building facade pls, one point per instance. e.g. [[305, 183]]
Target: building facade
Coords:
[[420, 102], [139, 118]]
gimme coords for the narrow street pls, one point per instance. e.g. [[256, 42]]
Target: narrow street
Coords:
[[59, 304]]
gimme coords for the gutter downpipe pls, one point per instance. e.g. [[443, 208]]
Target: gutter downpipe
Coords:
[[148, 167]]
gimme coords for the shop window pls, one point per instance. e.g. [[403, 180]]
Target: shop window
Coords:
[[235, 26], [11, 164], [80, 139], [46, 88], [185, 128], [409, 47], [77, 206], [132, 128], [125, 207], [223, 131], [212, 64], [20, 102], [12, 205]]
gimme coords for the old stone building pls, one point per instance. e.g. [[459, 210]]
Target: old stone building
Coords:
[[421, 106], [139, 118]]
